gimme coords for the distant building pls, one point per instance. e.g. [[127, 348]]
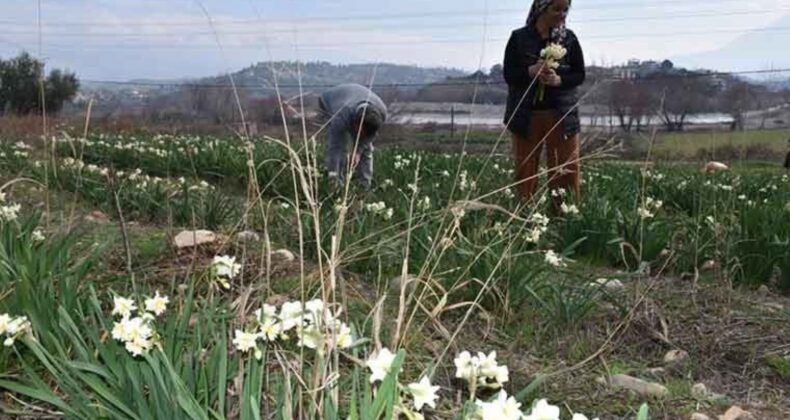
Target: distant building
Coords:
[[635, 69]]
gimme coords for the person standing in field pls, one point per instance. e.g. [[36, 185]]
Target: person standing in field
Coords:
[[787, 158], [355, 116], [550, 117]]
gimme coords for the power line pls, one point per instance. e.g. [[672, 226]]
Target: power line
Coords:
[[416, 15], [358, 28], [406, 85], [411, 43]]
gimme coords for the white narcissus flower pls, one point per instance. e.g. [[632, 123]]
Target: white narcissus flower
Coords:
[[9, 213], [17, 325], [265, 312], [344, 339], [466, 366], [5, 320], [291, 315], [315, 308], [644, 213], [423, 393], [270, 329], [136, 329], [376, 207], [157, 304], [123, 306], [488, 365], [424, 204], [138, 347], [502, 375], [226, 266], [569, 209], [553, 259], [578, 416], [544, 411], [244, 341], [310, 337], [503, 408], [38, 236], [380, 365]]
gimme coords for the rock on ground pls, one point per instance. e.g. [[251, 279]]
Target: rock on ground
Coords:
[[284, 255], [713, 167], [736, 413], [675, 356], [97, 217], [639, 386], [410, 280], [699, 391], [248, 236], [193, 238]]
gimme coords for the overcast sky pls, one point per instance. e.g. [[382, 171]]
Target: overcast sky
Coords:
[[162, 39]]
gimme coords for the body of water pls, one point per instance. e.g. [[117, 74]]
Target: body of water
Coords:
[[494, 120]]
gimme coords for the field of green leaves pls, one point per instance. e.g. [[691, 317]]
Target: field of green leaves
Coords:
[[438, 248]]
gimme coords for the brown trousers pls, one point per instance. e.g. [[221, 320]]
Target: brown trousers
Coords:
[[563, 156]]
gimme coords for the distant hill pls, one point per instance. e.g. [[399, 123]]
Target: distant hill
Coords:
[[757, 50], [326, 74], [258, 79]]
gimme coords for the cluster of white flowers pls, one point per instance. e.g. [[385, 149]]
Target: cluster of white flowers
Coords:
[[464, 183], [19, 150], [559, 192], [401, 162], [225, 268], [316, 327], [137, 332], [136, 177], [552, 54], [481, 370], [570, 209], [380, 208], [387, 183], [484, 371], [13, 328], [540, 224], [654, 176], [10, 212], [650, 207], [504, 407], [553, 259], [157, 147]]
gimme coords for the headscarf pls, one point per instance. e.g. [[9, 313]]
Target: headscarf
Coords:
[[558, 34]]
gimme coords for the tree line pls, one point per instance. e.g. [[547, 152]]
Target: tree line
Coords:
[[22, 82]]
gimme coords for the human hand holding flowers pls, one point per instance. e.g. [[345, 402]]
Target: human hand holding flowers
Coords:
[[550, 78]]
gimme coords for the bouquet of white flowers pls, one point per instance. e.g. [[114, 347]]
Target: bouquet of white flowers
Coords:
[[551, 55]]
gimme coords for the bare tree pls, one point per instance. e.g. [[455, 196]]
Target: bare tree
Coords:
[[633, 103], [736, 99], [683, 96]]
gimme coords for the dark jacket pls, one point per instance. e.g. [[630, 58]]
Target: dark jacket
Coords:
[[523, 50]]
